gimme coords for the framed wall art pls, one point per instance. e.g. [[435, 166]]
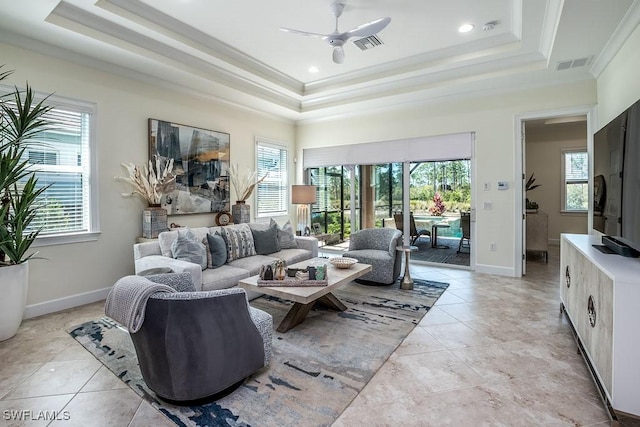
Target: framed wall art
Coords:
[[201, 166]]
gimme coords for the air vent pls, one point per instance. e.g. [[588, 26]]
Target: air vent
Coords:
[[368, 42], [573, 63]]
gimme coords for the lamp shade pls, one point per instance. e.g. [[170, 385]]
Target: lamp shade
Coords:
[[303, 194]]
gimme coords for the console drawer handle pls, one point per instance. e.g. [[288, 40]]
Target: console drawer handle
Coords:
[[591, 309], [567, 277]]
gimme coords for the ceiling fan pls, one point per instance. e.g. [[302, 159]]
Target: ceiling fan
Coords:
[[337, 39]]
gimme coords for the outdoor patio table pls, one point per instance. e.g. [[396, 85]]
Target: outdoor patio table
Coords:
[[434, 235]]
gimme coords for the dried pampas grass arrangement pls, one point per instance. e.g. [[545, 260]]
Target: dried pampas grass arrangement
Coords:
[[150, 182], [243, 183]]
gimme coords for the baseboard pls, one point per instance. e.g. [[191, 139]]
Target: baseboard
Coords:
[[65, 303], [492, 269]]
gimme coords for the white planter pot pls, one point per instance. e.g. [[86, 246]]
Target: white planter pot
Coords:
[[14, 283]]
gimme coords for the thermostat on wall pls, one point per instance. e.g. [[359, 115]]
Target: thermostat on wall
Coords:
[[503, 185]]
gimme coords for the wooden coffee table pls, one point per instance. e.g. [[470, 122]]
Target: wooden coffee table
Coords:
[[305, 297]]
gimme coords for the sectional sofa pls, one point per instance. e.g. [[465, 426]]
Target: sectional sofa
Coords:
[[247, 247]]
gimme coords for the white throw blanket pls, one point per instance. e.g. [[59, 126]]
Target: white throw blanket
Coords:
[[127, 300]]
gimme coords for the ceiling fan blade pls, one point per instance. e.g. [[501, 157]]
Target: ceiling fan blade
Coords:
[[338, 55], [368, 29], [303, 33]]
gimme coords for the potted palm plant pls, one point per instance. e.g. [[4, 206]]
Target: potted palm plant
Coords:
[[21, 121]]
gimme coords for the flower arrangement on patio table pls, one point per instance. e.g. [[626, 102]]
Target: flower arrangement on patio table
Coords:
[[150, 182], [438, 207], [243, 183]]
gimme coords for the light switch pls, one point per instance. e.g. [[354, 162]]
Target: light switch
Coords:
[[487, 186], [503, 185]]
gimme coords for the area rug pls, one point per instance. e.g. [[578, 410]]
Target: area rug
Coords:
[[317, 369]]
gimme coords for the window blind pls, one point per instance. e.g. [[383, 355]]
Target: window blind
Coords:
[[273, 193], [60, 159]]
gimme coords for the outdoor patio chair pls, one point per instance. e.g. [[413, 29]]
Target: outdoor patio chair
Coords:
[[465, 225], [415, 233]]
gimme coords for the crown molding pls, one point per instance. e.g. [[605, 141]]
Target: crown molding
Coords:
[[627, 26]]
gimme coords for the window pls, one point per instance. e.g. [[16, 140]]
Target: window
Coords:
[[272, 194], [575, 176], [62, 159]]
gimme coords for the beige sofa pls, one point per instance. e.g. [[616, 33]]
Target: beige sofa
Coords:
[[157, 254]]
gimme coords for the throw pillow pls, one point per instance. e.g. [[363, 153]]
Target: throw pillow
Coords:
[[287, 237], [187, 248], [266, 241], [218, 250], [239, 241]]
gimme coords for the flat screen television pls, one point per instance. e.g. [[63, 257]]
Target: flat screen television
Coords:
[[616, 171]]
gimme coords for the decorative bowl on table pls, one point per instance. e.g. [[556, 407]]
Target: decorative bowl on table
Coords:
[[343, 262]]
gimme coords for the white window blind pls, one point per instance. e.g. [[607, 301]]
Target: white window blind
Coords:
[[272, 194], [576, 181], [61, 162]]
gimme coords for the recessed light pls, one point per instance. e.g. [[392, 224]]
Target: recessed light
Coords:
[[313, 69], [465, 28]]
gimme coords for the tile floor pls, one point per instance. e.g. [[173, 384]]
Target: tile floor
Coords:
[[493, 351]]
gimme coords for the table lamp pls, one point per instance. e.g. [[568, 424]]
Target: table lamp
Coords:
[[303, 195]]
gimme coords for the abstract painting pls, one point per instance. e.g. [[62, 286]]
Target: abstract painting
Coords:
[[201, 166]]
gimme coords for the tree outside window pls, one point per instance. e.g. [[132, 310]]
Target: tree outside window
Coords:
[[575, 173]]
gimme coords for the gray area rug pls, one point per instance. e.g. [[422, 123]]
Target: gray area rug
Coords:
[[317, 369]]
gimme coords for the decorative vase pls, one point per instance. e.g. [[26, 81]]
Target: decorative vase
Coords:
[[241, 212], [15, 283], [154, 221]]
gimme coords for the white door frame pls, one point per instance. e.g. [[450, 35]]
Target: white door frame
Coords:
[[590, 111]]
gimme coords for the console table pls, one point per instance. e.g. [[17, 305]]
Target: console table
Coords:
[[600, 294]]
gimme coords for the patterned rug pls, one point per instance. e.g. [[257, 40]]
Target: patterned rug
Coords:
[[317, 369]]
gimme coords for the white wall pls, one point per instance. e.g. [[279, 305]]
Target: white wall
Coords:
[[544, 158], [619, 84], [492, 119], [123, 109]]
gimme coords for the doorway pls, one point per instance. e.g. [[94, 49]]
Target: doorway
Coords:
[[366, 196], [555, 196]]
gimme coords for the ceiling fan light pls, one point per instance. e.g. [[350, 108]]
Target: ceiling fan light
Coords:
[[338, 55]]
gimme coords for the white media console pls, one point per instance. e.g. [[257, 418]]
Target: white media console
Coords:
[[600, 293]]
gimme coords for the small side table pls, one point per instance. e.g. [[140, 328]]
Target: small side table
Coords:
[[407, 281], [434, 235]]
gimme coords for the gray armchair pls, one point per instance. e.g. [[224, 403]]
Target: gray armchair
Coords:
[[193, 345], [377, 247]]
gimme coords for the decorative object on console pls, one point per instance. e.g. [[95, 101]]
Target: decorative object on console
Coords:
[[21, 125], [243, 184], [151, 183], [223, 218], [531, 206], [201, 159], [303, 195]]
